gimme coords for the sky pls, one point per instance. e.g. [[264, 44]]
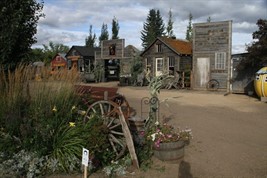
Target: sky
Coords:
[[68, 21]]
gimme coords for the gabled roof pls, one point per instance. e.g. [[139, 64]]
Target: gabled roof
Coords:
[[84, 50], [63, 55], [181, 47]]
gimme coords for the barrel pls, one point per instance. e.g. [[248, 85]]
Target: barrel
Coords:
[[170, 151], [260, 82]]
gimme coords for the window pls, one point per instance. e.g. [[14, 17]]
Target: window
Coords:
[[159, 48], [112, 49], [171, 65], [220, 59]]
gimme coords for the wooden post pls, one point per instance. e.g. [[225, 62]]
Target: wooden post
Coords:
[[85, 172]]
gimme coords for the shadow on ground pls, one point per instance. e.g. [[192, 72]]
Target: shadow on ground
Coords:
[[184, 170]]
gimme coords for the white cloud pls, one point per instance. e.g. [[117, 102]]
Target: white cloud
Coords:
[[67, 21]]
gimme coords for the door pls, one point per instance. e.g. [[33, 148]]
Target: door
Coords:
[[159, 66], [202, 72]]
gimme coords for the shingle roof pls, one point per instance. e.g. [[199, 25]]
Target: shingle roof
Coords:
[[179, 46], [86, 51]]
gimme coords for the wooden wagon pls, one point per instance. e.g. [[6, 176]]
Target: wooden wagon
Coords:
[[115, 111]]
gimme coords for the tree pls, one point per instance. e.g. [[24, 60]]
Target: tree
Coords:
[[115, 28], [52, 49], [17, 29], [90, 40], [209, 19], [104, 33], [169, 28], [258, 49], [153, 28], [189, 31]]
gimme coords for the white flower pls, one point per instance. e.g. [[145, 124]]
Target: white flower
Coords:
[[153, 136], [157, 123]]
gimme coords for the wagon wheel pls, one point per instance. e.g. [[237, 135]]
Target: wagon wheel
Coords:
[[111, 119], [123, 103], [213, 85]]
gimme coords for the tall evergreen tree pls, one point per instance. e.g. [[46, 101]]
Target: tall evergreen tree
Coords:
[[153, 28], [104, 33], [115, 28], [17, 29], [189, 31], [90, 40], [209, 19], [169, 28]]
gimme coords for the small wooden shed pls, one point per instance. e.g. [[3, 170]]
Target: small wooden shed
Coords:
[[168, 54], [59, 62]]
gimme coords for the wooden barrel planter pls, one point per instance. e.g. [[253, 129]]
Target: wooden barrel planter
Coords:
[[170, 151]]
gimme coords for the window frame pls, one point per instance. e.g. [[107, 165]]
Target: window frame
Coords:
[[220, 61]]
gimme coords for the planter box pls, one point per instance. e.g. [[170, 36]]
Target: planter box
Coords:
[[170, 151]]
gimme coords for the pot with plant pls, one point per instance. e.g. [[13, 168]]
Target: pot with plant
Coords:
[[168, 143]]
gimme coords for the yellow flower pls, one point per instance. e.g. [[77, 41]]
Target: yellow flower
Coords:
[[73, 108], [54, 109], [72, 124]]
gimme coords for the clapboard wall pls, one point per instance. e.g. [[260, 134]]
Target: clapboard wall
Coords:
[[210, 40]]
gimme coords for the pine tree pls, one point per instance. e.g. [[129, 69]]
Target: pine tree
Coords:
[[115, 28], [189, 31], [169, 28], [104, 33], [209, 19], [153, 28], [90, 40]]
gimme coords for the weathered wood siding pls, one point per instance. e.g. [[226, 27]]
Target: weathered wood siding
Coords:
[[181, 62], [119, 49], [208, 39]]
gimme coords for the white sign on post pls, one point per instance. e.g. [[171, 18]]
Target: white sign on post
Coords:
[[85, 157]]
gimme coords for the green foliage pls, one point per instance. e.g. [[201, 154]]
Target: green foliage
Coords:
[[115, 28], [153, 28], [18, 27], [169, 28], [104, 33], [23, 164], [136, 68], [90, 40], [98, 142], [258, 49], [189, 31], [52, 49]]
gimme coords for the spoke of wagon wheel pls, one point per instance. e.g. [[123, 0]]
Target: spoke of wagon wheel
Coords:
[[93, 110], [113, 146], [116, 140], [101, 109], [117, 133], [114, 126], [111, 121]]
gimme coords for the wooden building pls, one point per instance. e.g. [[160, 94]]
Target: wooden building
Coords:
[[115, 59], [81, 58], [59, 62], [168, 55], [212, 42]]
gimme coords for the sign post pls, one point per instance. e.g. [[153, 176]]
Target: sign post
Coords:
[[85, 160]]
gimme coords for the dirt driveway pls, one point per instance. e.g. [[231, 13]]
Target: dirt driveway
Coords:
[[230, 133]]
